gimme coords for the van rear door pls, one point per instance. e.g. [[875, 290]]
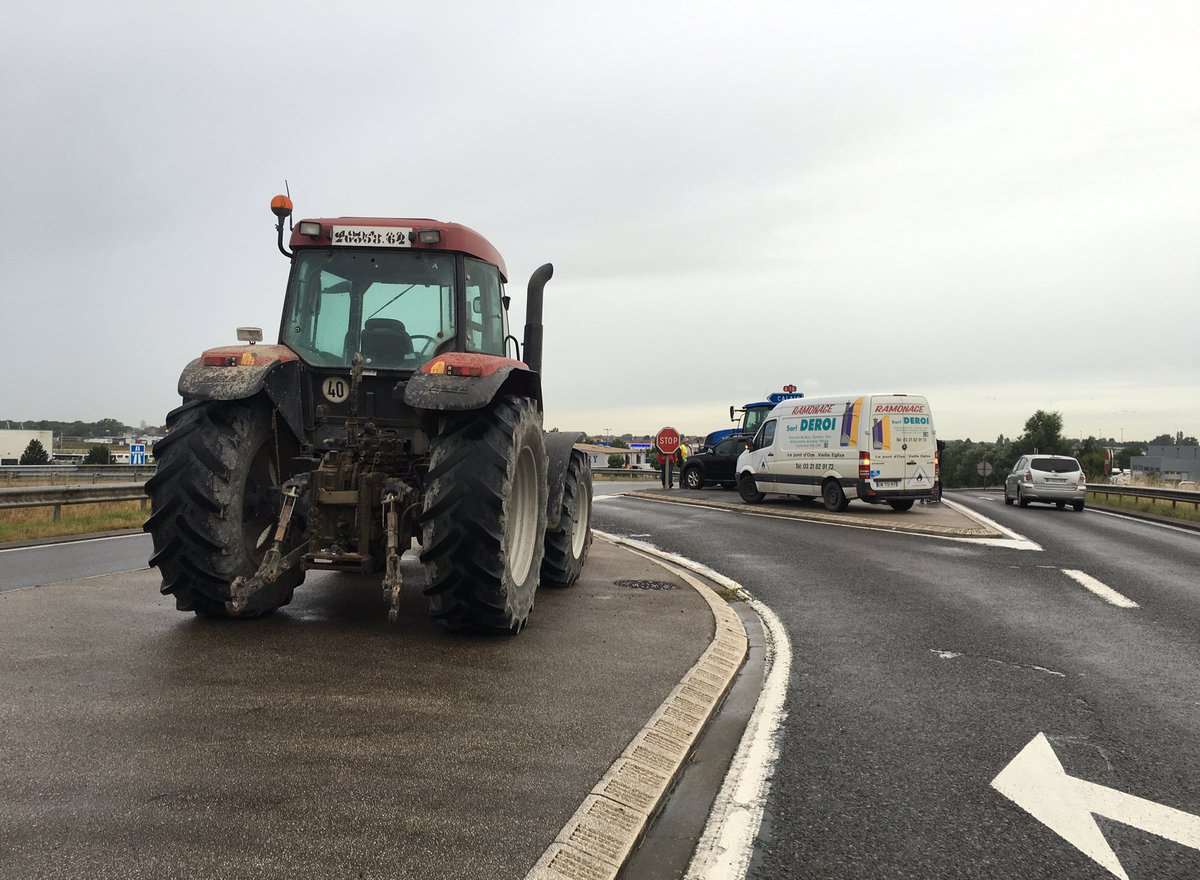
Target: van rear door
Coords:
[[902, 442]]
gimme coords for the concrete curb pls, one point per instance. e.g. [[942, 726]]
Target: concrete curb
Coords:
[[840, 519], [601, 835]]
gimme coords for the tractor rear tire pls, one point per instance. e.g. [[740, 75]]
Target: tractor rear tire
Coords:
[[567, 547], [215, 492], [484, 519]]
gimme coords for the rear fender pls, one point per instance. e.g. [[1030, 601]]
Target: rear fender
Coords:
[[464, 381], [275, 370], [559, 445]]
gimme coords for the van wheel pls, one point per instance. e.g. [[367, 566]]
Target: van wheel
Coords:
[[1061, 505], [693, 479], [833, 496], [1078, 505], [748, 489], [901, 506]]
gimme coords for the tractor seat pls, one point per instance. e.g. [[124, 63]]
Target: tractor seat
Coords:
[[385, 341]]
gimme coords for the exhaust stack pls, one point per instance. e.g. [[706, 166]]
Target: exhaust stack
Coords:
[[533, 316]]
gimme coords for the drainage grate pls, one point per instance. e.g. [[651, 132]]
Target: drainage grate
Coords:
[[644, 585]]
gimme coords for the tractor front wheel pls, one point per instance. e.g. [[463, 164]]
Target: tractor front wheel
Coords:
[[214, 498], [567, 547], [484, 518]]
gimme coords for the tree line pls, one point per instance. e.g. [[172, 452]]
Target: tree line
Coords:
[[1043, 433]]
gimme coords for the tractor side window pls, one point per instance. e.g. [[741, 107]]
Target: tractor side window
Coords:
[[485, 311]]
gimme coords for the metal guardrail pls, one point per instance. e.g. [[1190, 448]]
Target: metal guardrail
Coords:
[[80, 473], [57, 496], [627, 472], [1175, 496]]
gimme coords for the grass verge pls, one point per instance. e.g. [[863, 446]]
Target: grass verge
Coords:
[[1150, 506], [32, 523]]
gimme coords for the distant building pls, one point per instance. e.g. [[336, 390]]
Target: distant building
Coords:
[[13, 443], [598, 455], [1168, 463]]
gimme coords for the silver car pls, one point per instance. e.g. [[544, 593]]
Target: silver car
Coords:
[[1051, 479]]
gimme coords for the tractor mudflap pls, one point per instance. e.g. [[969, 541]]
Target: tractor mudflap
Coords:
[[254, 594], [558, 450]]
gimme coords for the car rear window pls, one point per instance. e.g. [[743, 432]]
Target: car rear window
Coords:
[[1056, 465]]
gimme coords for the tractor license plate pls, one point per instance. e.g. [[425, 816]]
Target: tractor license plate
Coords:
[[371, 236]]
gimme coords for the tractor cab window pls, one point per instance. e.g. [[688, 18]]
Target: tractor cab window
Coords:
[[396, 307], [485, 310], [752, 418]]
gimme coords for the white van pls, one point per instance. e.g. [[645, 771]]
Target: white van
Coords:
[[879, 448]]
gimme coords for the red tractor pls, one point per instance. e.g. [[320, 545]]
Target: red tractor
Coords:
[[396, 405]]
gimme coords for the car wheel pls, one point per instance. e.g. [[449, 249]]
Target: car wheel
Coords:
[[693, 479], [1021, 498], [1078, 505], [1061, 505], [1008, 501]]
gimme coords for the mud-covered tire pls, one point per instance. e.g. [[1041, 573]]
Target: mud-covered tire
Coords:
[[482, 542], [215, 490], [567, 546]]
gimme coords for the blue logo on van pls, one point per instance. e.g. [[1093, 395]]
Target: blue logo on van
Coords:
[[825, 424], [916, 420]]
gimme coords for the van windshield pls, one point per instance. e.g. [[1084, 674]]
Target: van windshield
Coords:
[[1056, 465]]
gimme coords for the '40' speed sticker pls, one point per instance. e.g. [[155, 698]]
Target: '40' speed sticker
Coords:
[[336, 389]]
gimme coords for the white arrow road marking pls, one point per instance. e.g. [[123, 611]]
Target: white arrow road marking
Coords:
[[1104, 591], [1037, 783]]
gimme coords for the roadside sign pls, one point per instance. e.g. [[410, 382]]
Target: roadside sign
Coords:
[[667, 441], [984, 468], [137, 453]]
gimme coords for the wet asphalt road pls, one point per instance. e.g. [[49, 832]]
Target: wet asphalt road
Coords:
[[922, 667], [322, 742]]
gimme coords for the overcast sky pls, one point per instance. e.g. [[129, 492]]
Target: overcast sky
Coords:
[[997, 207]]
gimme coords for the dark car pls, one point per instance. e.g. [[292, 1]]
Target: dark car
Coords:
[[714, 465]]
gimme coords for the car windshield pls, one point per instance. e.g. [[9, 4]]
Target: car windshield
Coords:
[[1056, 465], [396, 307]]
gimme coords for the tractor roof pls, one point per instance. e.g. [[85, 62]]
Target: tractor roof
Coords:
[[454, 236]]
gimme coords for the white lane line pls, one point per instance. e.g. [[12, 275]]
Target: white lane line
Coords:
[[1145, 522], [727, 842], [1105, 592], [54, 544], [1016, 541]]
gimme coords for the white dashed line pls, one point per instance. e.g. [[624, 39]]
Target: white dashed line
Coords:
[[1105, 592]]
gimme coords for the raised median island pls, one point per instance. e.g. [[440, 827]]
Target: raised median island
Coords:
[[945, 520]]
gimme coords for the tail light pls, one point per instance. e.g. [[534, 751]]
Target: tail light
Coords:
[[937, 466], [1082, 479], [864, 465], [1028, 476]]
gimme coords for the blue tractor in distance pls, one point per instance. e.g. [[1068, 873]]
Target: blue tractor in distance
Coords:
[[753, 415]]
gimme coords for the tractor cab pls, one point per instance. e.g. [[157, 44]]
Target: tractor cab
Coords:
[[397, 291]]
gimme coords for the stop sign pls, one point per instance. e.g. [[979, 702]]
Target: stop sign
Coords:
[[667, 441]]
